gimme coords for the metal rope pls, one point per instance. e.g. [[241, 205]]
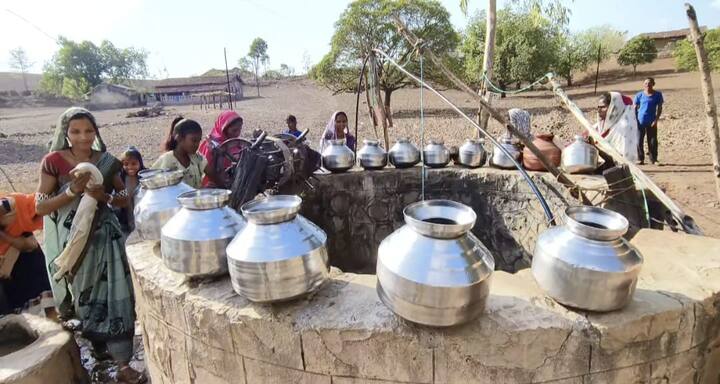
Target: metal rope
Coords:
[[498, 90], [422, 135], [524, 174]]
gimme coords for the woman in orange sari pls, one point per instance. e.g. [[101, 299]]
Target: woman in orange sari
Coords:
[[23, 276]]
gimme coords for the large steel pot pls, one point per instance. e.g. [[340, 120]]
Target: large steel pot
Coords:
[[586, 263], [194, 240], [403, 154], [500, 159], [279, 255], [372, 155], [160, 189], [579, 157], [472, 154], [337, 157], [435, 155], [433, 270]]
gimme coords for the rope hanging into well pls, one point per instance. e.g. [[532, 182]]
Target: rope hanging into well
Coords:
[[423, 171]]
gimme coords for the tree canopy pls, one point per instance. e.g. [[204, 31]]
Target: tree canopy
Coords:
[[368, 24], [639, 50], [77, 67], [257, 57], [684, 52]]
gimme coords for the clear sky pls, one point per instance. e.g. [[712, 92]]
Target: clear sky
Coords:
[[187, 37]]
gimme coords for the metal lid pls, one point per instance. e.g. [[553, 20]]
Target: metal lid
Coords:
[[272, 209], [371, 142], [160, 178], [203, 199], [444, 219], [595, 223]]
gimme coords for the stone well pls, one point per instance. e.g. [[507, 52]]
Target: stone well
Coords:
[[202, 332], [35, 350]]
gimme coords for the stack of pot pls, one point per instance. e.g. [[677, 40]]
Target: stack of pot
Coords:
[[372, 156], [579, 157], [544, 142], [435, 155], [404, 154], [433, 270], [279, 255], [500, 159], [160, 189], [195, 238], [472, 154], [337, 157]]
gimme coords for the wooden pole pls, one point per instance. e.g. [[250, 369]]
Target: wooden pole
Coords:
[[708, 93], [495, 114], [597, 69], [483, 116], [380, 111], [227, 76], [684, 220]]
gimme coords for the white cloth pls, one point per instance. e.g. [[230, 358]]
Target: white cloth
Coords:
[[622, 126], [81, 224]]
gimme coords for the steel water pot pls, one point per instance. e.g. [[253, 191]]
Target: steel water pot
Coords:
[[159, 191], [433, 270], [372, 155], [579, 157], [586, 263], [404, 154], [195, 238], [337, 157], [279, 255], [435, 155], [500, 159], [472, 153]]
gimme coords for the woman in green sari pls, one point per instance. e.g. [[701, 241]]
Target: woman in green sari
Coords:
[[98, 289]]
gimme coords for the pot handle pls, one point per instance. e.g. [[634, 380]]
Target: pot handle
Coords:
[[259, 140], [302, 135]]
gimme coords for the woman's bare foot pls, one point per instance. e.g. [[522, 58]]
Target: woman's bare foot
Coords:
[[130, 376]]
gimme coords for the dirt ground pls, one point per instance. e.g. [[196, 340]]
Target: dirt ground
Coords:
[[684, 143]]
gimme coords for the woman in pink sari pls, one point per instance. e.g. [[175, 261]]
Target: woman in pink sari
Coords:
[[228, 125]]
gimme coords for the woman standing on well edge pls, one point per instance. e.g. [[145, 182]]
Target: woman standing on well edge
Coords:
[[99, 288]]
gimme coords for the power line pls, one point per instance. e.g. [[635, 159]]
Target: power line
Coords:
[[54, 39]]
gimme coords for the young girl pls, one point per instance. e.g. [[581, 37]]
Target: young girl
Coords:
[[132, 164], [181, 145]]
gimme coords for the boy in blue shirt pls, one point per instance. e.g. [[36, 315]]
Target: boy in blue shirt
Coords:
[[648, 108]]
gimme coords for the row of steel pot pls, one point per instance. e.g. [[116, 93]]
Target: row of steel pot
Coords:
[[430, 271], [578, 157]]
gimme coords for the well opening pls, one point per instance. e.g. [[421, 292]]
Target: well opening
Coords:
[[358, 209], [14, 337]]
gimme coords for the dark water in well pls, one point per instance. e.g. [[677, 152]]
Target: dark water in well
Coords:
[[14, 338], [440, 220], [594, 225]]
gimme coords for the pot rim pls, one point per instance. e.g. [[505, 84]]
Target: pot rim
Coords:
[[204, 199], [612, 224], [160, 178], [463, 216], [371, 142], [272, 209]]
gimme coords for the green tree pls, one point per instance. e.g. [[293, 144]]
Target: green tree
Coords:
[[368, 24], [20, 62], [684, 52], [287, 70], [639, 50], [574, 55], [258, 56], [77, 67], [526, 47]]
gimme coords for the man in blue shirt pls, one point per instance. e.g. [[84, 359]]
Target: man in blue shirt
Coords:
[[648, 107]]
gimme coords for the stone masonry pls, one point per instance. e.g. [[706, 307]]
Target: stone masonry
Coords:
[[360, 208], [202, 332]]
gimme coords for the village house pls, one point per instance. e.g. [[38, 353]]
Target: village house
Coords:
[[192, 90], [107, 95], [665, 41]]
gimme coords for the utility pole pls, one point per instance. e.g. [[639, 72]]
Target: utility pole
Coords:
[[227, 76], [597, 69]]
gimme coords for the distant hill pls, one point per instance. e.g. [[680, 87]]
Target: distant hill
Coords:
[[13, 81]]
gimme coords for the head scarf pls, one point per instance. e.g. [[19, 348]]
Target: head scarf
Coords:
[[330, 132], [619, 127], [520, 119], [59, 139], [217, 135]]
